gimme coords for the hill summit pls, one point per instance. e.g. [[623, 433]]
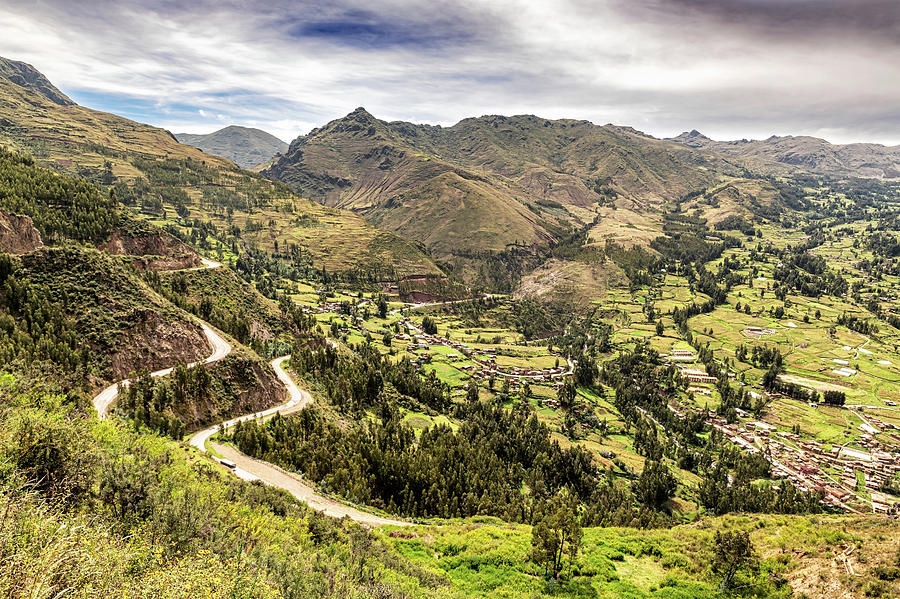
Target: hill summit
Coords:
[[803, 152], [245, 146], [25, 75]]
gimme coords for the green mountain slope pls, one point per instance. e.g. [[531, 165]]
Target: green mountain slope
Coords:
[[153, 172], [498, 188], [245, 146], [363, 164]]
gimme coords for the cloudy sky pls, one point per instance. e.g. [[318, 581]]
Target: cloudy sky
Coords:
[[729, 68]]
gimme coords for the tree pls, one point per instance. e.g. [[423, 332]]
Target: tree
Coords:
[[734, 552], [585, 371], [659, 327], [382, 307], [566, 394], [472, 392], [206, 307], [656, 485], [556, 537], [429, 326]]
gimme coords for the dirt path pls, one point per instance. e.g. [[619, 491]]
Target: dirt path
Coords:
[[296, 486], [220, 349], [248, 468]]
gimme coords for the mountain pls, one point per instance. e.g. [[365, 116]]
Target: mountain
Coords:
[[244, 146], [163, 178], [495, 183], [804, 153], [28, 77]]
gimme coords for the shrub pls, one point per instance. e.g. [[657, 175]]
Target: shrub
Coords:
[[889, 573]]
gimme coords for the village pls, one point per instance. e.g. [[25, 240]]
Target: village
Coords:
[[844, 474], [484, 361], [849, 478]]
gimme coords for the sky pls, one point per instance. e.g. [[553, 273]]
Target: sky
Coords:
[[731, 69]]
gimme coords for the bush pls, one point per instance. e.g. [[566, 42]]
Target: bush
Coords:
[[877, 588], [889, 573], [675, 560], [53, 452]]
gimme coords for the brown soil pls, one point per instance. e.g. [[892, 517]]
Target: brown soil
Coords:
[[158, 251], [155, 344], [18, 235]]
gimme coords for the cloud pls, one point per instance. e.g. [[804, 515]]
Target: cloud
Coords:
[[730, 68]]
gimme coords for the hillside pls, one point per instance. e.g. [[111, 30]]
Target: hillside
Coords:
[[804, 153], [154, 173], [245, 146], [363, 164], [26, 76], [512, 358], [494, 185]]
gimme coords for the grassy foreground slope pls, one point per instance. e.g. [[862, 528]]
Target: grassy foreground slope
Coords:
[[798, 556], [117, 511], [131, 515]]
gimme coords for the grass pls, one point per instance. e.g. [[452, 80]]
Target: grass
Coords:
[[485, 558]]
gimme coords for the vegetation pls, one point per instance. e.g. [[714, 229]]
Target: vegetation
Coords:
[[617, 426]]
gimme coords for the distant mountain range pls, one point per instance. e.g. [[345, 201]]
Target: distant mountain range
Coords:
[[489, 183], [488, 198], [155, 171], [806, 153], [244, 146]]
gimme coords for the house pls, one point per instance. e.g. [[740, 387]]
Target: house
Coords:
[[697, 376], [683, 354]]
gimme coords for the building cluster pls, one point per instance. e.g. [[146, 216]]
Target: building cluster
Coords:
[[757, 332], [325, 308], [697, 375], [838, 472]]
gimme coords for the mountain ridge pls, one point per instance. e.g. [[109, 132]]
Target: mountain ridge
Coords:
[[114, 151], [495, 184], [813, 154], [26, 76], [245, 146]]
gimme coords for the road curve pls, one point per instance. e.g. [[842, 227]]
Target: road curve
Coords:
[[248, 468], [220, 349], [297, 399]]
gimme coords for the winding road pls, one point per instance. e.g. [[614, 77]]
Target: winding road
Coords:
[[246, 467], [220, 349]]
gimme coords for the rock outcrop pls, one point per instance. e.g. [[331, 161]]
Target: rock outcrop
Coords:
[[18, 234], [154, 251]]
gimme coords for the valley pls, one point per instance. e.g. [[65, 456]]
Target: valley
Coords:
[[404, 360]]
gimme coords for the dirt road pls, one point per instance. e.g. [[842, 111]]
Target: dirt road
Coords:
[[220, 349], [248, 468]]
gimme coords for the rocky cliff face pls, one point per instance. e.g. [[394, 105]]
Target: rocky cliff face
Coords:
[[18, 235], [153, 342], [154, 251]]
